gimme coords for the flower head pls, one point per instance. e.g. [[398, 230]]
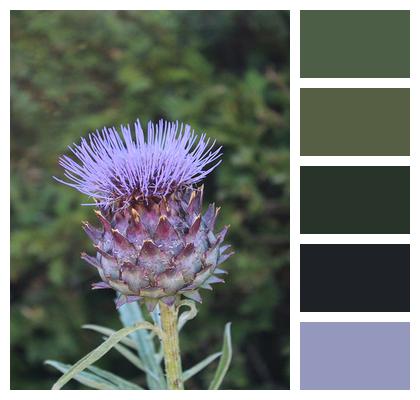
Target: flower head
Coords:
[[116, 171], [155, 243]]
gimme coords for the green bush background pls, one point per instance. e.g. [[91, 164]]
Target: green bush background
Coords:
[[223, 72]]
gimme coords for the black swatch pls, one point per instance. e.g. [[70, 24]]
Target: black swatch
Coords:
[[352, 278]]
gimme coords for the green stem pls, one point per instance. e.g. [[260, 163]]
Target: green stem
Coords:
[[170, 342]]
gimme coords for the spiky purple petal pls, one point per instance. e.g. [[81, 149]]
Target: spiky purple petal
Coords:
[[113, 169]]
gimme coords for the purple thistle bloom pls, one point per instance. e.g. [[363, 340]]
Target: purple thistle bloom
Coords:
[[155, 242], [115, 171]]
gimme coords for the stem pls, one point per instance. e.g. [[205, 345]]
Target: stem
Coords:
[[170, 342]]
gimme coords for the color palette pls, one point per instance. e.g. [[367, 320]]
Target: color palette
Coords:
[[355, 278], [355, 355], [355, 122], [355, 199], [355, 44], [363, 266]]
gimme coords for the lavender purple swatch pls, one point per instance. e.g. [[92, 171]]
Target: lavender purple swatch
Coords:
[[355, 355]]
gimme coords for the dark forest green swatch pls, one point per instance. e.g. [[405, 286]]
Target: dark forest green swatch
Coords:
[[355, 199], [355, 122], [355, 44]]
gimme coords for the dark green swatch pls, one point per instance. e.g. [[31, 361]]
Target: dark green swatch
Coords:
[[355, 44], [355, 200], [355, 122]]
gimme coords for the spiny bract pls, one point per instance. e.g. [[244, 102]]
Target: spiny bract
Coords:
[[154, 243], [158, 250]]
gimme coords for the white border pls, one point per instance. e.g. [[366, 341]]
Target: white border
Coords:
[[296, 82], [294, 199]]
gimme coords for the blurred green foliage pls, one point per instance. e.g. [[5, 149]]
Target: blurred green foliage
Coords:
[[223, 72]]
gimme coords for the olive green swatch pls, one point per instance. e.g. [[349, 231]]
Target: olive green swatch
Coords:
[[355, 122], [355, 44], [341, 200]]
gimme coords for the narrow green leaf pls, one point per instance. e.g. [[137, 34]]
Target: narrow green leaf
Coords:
[[186, 315], [101, 350], [189, 373], [155, 314], [85, 378], [130, 314], [108, 332], [224, 361], [130, 356], [159, 354], [133, 358], [121, 383]]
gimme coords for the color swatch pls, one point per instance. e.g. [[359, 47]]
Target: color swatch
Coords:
[[355, 44], [355, 199], [355, 278], [355, 355], [368, 119], [355, 122]]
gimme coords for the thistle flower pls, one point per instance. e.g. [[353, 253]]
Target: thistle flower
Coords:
[[154, 242]]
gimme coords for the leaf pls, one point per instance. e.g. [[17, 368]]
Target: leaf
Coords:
[[130, 356], [121, 383], [133, 358], [155, 314], [159, 354], [85, 378], [97, 378], [225, 360], [130, 314], [186, 315], [189, 373], [101, 350], [108, 332]]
